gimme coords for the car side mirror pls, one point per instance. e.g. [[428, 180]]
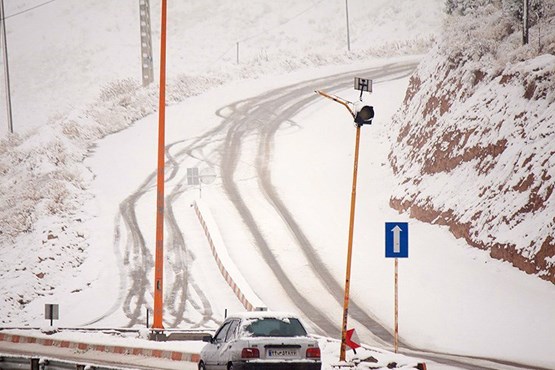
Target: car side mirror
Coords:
[[207, 338]]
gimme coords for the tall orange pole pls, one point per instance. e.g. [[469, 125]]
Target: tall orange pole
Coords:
[[349, 250], [159, 257], [351, 225]]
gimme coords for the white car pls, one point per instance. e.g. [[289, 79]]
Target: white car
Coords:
[[260, 341]]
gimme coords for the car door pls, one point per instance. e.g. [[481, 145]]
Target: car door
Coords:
[[212, 350], [226, 350]]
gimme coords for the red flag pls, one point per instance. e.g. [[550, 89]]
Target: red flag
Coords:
[[349, 342]]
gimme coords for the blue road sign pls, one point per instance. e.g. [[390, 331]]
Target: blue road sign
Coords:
[[396, 239]]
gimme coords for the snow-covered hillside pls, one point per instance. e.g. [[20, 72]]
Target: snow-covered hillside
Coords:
[[62, 53], [66, 53], [474, 144]]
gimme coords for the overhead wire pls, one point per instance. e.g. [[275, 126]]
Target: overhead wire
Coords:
[[282, 23], [265, 31], [29, 9]]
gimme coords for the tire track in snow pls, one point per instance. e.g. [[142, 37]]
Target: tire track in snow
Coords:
[[229, 142], [137, 260], [247, 116], [255, 110]]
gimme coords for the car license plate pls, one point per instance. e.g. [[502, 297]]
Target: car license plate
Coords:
[[282, 353]]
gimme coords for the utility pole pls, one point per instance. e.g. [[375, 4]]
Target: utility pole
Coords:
[[348, 34], [146, 43], [6, 68], [525, 21]]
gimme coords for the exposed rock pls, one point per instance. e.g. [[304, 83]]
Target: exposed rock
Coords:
[[473, 147]]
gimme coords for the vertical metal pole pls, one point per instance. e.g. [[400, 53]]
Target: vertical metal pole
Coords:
[[35, 363], [396, 341], [159, 258], [349, 250], [146, 43], [348, 34], [6, 68]]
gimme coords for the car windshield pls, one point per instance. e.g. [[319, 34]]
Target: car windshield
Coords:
[[274, 327]]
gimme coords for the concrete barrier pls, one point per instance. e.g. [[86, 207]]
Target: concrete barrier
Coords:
[[227, 268], [137, 351]]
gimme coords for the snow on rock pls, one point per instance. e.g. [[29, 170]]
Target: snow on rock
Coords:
[[474, 143]]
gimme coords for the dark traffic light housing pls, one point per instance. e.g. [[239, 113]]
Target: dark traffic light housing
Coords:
[[363, 114]]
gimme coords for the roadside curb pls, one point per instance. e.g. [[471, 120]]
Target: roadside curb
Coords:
[[231, 274], [81, 346]]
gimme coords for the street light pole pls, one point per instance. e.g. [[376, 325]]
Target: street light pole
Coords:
[[363, 114], [349, 249]]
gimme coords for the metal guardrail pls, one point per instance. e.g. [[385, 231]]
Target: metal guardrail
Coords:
[[21, 362]]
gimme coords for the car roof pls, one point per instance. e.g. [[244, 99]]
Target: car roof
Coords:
[[262, 315]]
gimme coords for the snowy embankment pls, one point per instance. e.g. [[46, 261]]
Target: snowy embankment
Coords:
[[474, 144], [44, 182], [45, 185]]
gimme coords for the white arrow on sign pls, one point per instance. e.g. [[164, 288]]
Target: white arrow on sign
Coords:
[[396, 239]]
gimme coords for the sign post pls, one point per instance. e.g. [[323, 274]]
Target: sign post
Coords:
[[51, 312], [396, 246]]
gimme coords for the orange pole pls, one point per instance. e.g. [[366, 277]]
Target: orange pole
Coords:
[[337, 100], [159, 257], [349, 251]]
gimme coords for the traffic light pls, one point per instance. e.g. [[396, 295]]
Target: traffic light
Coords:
[[363, 114]]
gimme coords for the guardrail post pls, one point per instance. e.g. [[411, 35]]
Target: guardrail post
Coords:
[[80, 367], [34, 364]]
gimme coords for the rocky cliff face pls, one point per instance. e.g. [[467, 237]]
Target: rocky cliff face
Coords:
[[473, 146]]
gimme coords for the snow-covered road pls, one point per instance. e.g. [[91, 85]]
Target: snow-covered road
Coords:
[[310, 158]]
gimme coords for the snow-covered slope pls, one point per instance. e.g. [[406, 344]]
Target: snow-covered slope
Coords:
[[474, 144], [62, 53], [66, 53]]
